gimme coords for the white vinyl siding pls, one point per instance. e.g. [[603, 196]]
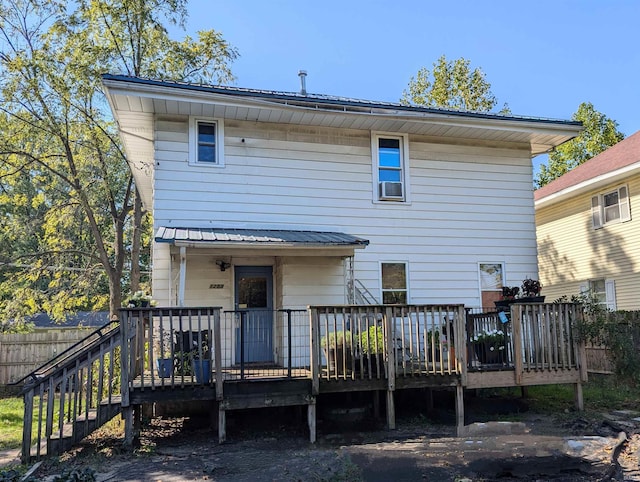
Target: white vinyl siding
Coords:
[[311, 178]]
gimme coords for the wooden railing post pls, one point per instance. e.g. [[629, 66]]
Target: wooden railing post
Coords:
[[217, 334], [124, 358], [460, 344], [26, 425], [314, 352], [517, 340], [391, 373]]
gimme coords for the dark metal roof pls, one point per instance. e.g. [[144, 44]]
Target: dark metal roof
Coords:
[[327, 100], [77, 320], [271, 237]]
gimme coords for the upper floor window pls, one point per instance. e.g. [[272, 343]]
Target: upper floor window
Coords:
[[610, 207], [390, 170], [394, 283], [206, 142]]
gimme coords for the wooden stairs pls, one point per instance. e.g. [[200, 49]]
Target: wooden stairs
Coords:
[[73, 432], [72, 394]]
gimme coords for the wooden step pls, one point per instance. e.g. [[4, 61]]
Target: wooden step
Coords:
[[84, 424]]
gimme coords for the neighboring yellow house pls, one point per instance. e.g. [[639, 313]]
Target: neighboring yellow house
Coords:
[[588, 228]]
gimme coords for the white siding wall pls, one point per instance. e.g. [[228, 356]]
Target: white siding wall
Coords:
[[469, 204]]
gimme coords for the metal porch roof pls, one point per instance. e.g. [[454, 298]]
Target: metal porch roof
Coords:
[[257, 237]]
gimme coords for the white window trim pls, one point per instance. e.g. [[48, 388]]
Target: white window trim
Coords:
[[406, 274], [597, 207], [504, 276], [404, 161], [193, 141]]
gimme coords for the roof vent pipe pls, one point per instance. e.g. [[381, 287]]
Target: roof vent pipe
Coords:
[[303, 84]]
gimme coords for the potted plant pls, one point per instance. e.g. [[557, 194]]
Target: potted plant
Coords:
[[164, 362], [509, 295], [201, 359], [372, 348], [531, 291], [338, 350], [139, 299], [490, 346]]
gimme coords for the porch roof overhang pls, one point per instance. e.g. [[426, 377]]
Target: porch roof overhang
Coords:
[[257, 238]]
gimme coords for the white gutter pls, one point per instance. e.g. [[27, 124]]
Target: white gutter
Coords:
[[589, 185]]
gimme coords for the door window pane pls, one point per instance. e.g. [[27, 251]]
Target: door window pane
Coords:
[[252, 292]]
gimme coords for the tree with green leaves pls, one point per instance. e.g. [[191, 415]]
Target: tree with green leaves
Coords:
[[600, 132], [67, 194], [451, 85]]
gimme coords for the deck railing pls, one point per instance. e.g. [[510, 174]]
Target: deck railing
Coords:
[[169, 347], [545, 337], [538, 337], [386, 342]]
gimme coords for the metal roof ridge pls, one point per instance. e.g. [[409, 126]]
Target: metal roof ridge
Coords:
[[330, 99]]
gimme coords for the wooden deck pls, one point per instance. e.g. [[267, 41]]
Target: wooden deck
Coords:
[[415, 347], [323, 350]]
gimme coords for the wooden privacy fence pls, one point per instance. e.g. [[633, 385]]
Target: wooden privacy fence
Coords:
[[22, 353]]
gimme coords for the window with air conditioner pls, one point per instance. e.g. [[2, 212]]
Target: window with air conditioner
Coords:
[[390, 173], [610, 207], [206, 142]]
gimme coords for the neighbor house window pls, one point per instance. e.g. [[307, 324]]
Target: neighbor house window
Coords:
[[389, 161], [491, 283], [206, 142], [394, 283], [603, 291], [610, 207]]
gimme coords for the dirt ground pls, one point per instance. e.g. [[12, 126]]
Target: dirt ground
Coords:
[[265, 446]]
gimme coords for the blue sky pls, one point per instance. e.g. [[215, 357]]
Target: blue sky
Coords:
[[542, 57]]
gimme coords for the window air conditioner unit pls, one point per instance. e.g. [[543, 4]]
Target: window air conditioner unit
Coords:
[[391, 190]]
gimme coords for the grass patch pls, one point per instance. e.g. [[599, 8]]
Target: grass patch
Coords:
[[601, 393], [11, 414]]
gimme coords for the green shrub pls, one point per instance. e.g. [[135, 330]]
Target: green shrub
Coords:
[[372, 340]]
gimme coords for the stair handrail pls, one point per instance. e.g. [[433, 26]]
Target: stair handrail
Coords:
[[361, 292], [40, 373]]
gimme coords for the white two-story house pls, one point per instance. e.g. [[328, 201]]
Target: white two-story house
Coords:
[[265, 199]]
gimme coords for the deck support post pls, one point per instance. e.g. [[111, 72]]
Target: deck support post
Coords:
[[459, 410], [127, 415], [137, 422], [430, 400], [222, 424], [376, 404], [311, 420], [391, 411], [577, 397]]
